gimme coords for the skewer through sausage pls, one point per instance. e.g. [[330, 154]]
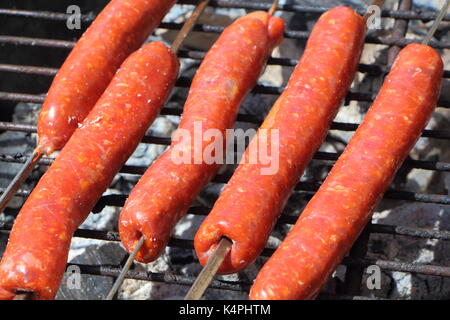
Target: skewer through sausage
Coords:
[[167, 189], [338, 212], [36, 255], [250, 204]]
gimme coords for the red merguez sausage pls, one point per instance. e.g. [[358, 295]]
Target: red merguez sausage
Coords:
[[117, 31], [338, 212], [36, 254], [249, 205], [228, 72]]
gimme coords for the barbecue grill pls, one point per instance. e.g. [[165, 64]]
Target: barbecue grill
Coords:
[[357, 260]]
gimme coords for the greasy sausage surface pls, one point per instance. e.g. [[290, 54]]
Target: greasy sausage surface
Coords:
[[338, 212], [117, 31], [248, 207], [38, 246], [227, 73]]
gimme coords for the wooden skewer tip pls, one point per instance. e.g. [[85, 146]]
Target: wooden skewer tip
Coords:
[[209, 271]]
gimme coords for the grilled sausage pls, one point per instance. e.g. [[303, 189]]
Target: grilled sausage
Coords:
[[338, 212], [117, 31], [248, 207], [38, 246], [227, 73]]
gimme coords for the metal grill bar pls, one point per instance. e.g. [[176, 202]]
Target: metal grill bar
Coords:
[[184, 82], [289, 34], [418, 268], [409, 231], [341, 126], [325, 156], [426, 269], [50, 43], [373, 228], [46, 15], [114, 271], [40, 71], [375, 70], [308, 189], [425, 16], [237, 4], [304, 189], [431, 165]]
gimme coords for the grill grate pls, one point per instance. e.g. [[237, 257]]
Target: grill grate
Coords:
[[357, 259]]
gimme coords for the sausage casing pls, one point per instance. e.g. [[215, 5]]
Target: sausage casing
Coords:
[[249, 205], [117, 31], [338, 212], [39, 242], [227, 73]]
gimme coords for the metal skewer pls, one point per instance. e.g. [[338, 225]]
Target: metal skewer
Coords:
[[273, 8], [125, 269], [176, 45], [209, 271], [216, 259], [436, 23], [224, 247], [188, 25], [19, 179], [31, 163]]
